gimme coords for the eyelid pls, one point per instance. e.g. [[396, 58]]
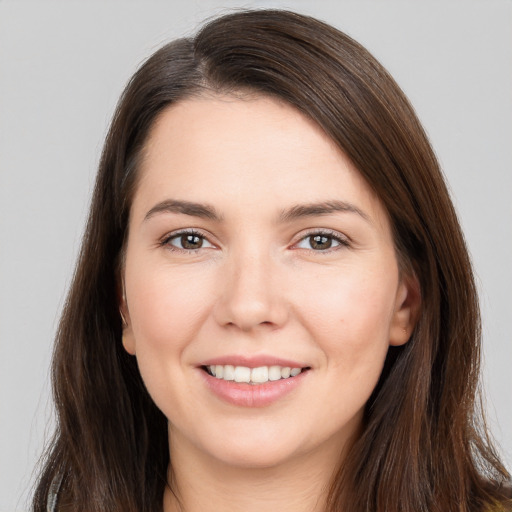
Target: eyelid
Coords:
[[164, 241], [344, 241]]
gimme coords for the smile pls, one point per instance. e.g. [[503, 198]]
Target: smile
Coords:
[[253, 382], [255, 376]]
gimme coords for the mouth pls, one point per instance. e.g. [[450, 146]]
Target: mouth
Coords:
[[256, 380], [253, 376]]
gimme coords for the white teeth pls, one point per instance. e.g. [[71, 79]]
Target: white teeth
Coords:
[[274, 373], [229, 372], [242, 374], [258, 375]]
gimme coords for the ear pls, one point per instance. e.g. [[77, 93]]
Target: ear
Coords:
[[128, 338], [407, 310]]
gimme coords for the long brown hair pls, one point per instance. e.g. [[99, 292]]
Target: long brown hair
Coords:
[[422, 446]]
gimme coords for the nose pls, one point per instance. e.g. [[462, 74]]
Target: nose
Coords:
[[252, 293]]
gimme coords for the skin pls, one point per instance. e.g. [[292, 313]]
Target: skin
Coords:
[[257, 286]]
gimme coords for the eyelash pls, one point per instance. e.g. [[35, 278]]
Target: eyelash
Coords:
[[332, 235], [186, 232]]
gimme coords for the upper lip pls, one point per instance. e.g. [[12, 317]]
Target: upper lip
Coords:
[[253, 361]]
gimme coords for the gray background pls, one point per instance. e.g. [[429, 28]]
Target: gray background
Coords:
[[62, 68]]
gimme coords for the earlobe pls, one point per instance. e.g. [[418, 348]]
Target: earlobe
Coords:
[[407, 309], [128, 339]]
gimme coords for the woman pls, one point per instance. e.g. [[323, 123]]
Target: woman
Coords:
[[273, 304]]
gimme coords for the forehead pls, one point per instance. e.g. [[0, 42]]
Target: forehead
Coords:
[[250, 151], [250, 127]]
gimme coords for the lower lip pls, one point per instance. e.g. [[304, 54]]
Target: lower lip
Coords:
[[252, 395]]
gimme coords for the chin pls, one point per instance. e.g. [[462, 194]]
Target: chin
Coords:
[[250, 446], [256, 457]]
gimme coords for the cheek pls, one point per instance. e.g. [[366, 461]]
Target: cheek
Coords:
[[349, 318], [166, 307]]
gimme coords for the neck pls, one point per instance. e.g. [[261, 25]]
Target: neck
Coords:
[[201, 483]]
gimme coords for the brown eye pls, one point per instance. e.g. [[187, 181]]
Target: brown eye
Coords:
[[320, 242], [191, 241], [188, 241]]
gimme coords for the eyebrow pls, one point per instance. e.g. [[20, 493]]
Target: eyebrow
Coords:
[[206, 211], [323, 208], [185, 207]]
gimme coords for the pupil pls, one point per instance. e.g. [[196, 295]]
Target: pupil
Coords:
[[320, 242], [191, 241]]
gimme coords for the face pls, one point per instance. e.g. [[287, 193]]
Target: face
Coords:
[[261, 282]]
